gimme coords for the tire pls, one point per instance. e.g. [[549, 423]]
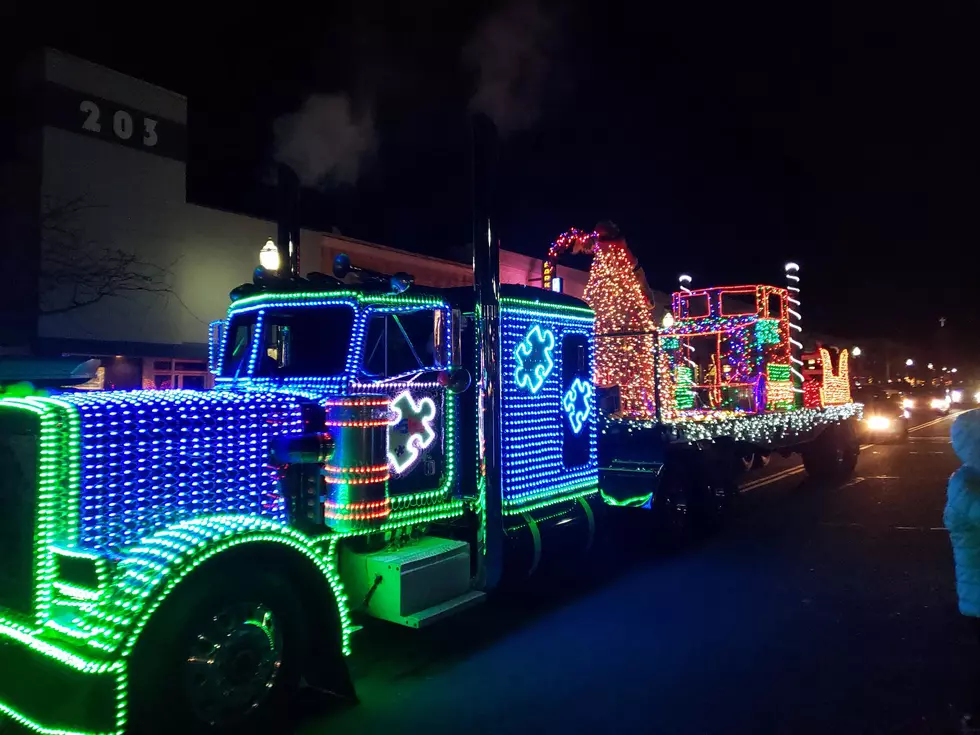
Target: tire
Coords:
[[713, 490], [761, 460], [671, 510], [833, 455], [747, 461], [222, 654]]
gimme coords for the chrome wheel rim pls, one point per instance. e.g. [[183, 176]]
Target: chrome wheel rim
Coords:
[[233, 663]]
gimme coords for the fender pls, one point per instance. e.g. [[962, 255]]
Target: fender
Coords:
[[151, 570]]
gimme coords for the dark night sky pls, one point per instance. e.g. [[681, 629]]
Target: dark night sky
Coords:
[[724, 138]]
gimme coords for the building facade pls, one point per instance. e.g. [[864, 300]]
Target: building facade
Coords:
[[112, 262]]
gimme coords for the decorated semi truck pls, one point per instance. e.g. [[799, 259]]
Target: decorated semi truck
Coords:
[[182, 561]]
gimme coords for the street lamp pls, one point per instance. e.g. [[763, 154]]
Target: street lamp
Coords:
[[909, 362], [856, 351], [269, 256]]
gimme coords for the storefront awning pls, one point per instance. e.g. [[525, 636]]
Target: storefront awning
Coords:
[[47, 371]]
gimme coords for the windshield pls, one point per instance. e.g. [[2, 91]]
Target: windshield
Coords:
[[301, 342]]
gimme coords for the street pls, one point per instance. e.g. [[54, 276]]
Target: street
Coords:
[[817, 610]]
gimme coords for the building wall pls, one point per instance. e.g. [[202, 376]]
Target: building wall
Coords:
[[132, 200]]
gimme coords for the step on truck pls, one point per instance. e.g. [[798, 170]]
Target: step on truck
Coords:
[[183, 561]]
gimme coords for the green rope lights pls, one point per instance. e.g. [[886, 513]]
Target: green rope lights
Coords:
[[777, 373], [767, 332], [637, 501], [552, 500], [111, 619], [71, 467], [300, 298], [684, 391], [550, 495], [50, 469]]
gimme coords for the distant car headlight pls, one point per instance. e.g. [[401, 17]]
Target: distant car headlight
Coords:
[[908, 403], [940, 404], [956, 396], [976, 396], [905, 414], [879, 423]]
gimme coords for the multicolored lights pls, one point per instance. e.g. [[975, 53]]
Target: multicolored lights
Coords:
[[747, 333]]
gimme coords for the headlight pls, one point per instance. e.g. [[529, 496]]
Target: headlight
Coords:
[[908, 403], [940, 404], [879, 423], [976, 396], [956, 396], [905, 414]]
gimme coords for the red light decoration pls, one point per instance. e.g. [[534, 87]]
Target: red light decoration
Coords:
[[357, 511], [363, 470], [355, 402], [811, 393], [356, 424], [836, 388]]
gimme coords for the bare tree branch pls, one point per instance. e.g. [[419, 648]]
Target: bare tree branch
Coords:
[[77, 272]]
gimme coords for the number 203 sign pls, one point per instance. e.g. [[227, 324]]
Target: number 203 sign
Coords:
[[112, 122], [122, 123]]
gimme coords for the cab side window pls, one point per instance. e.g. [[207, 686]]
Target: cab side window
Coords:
[[399, 343]]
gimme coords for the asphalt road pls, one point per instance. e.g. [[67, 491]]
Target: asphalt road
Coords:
[[819, 609]]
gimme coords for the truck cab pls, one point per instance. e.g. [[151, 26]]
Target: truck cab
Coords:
[[341, 466]]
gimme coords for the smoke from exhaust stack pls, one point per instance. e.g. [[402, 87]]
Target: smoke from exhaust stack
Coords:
[[511, 57], [326, 141]]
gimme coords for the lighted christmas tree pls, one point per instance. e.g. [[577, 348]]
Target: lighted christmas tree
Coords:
[[624, 325]]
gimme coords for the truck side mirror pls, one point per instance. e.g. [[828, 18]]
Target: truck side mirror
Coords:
[[456, 380]]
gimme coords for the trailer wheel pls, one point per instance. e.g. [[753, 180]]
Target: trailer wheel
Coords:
[[833, 455], [671, 510], [221, 655], [714, 488]]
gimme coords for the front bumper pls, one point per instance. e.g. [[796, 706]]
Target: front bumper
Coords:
[[49, 689]]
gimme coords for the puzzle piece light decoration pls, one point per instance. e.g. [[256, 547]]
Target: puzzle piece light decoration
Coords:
[[410, 430], [577, 403], [534, 360], [836, 388]]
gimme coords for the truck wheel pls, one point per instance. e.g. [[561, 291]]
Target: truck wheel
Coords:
[[833, 455], [220, 655]]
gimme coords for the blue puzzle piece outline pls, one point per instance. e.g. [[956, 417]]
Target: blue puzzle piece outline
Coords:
[[534, 379], [576, 417]]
